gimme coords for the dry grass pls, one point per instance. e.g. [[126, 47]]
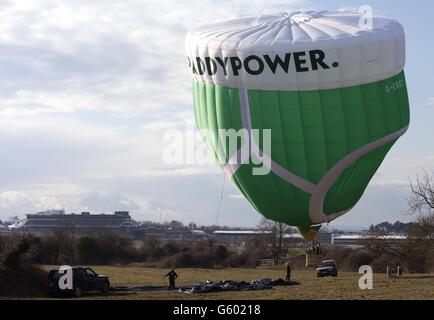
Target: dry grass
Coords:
[[345, 286]]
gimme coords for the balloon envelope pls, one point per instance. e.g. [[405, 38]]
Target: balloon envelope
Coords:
[[330, 87]]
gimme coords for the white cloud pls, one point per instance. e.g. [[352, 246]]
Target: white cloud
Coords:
[[413, 166], [125, 57], [430, 101], [390, 183], [17, 203]]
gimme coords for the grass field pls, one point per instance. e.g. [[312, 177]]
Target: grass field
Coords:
[[345, 286]]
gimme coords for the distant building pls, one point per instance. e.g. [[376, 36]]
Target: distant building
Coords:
[[324, 238], [360, 239], [47, 221], [50, 212], [122, 223], [163, 233], [239, 237], [236, 237]]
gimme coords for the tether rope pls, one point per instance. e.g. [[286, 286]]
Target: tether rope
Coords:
[[220, 200]]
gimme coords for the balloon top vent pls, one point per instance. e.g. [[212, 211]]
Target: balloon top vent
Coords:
[[300, 18]]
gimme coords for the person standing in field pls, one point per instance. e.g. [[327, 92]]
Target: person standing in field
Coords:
[[172, 277], [288, 272]]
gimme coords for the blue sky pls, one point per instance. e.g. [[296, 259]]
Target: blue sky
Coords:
[[87, 90]]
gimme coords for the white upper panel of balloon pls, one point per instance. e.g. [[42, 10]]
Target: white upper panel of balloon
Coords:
[[299, 51]]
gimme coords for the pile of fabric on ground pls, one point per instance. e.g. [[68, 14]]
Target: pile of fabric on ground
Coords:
[[230, 285], [212, 286]]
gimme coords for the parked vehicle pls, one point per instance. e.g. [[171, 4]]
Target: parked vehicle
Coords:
[[327, 268], [83, 280]]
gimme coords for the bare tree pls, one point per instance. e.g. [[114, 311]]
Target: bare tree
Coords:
[[417, 251], [277, 231], [421, 199]]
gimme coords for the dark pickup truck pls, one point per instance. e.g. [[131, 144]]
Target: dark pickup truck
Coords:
[[83, 280], [327, 268]]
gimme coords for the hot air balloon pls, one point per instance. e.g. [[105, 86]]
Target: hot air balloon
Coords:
[[332, 91]]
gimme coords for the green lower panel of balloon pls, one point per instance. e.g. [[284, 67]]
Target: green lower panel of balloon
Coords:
[[310, 132]]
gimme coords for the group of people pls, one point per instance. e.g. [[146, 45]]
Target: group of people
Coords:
[[315, 249]]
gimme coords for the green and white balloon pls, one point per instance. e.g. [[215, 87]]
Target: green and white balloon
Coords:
[[332, 91]]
